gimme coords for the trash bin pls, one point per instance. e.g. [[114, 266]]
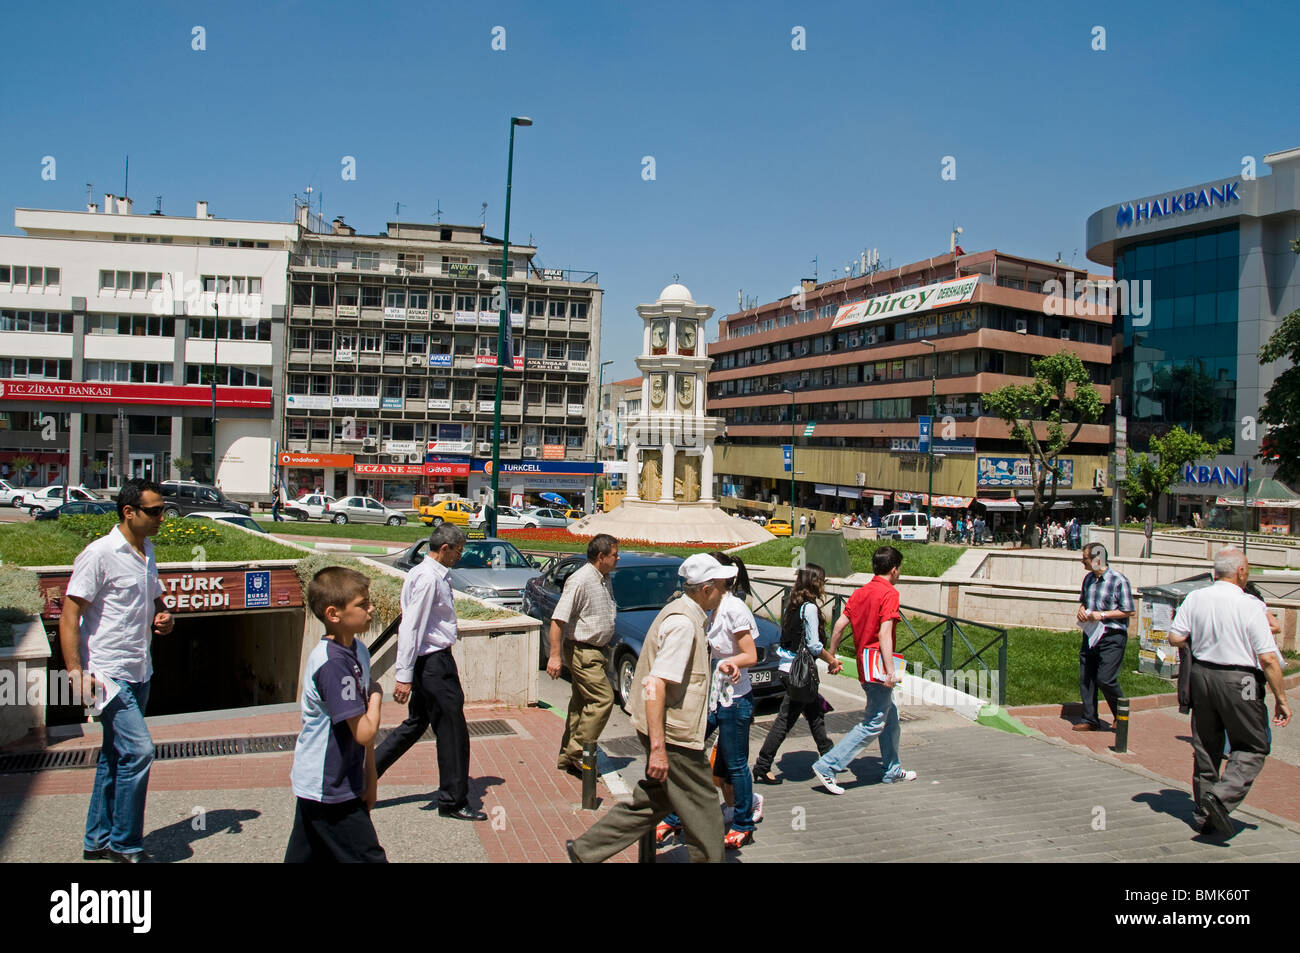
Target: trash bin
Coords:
[[1155, 616]]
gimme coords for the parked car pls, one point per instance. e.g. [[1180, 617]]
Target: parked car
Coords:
[[643, 584], [535, 516], [574, 514], [234, 519], [909, 525], [779, 527], [507, 518], [490, 569], [76, 508], [10, 495], [456, 512], [363, 509], [309, 506], [52, 497], [182, 497]]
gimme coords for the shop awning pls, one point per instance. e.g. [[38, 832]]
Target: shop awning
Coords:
[[1265, 492], [848, 492], [1000, 506], [953, 502]]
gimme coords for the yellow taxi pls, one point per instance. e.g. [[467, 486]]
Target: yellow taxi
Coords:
[[574, 514], [779, 527], [456, 512]]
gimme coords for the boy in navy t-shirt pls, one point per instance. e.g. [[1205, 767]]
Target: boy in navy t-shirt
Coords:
[[334, 760]]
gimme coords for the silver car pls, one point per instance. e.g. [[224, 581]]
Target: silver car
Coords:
[[507, 518], [490, 569], [362, 509], [543, 516]]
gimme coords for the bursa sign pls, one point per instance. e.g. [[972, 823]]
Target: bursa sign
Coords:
[[1177, 202]]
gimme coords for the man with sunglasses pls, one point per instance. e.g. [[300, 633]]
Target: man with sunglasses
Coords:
[[112, 610]]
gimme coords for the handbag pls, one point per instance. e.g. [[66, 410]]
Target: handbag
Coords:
[[803, 681]]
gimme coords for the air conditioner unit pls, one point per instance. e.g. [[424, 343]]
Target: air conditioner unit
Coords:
[[415, 458], [530, 451], [399, 271], [415, 360], [1065, 335], [862, 479], [439, 316], [1021, 325], [369, 442], [485, 448], [465, 407], [871, 338], [398, 457]]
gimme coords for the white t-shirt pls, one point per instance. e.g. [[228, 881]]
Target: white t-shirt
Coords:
[[120, 586], [1227, 626], [731, 618]]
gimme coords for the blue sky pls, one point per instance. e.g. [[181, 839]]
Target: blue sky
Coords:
[[765, 157]]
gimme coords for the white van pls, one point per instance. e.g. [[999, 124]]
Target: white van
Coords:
[[913, 526]]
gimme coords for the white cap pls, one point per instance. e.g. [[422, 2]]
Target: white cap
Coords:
[[702, 567]]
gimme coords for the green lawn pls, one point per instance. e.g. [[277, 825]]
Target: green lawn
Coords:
[[919, 559], [397, 534], [48, 543]]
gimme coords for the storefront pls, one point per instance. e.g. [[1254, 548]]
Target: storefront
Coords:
[[521, 479], [397, 484], [304, 473]]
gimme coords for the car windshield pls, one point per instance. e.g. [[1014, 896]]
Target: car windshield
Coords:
[[644, 587], [491, 555]]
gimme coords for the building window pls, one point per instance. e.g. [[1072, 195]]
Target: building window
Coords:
[[372, 296]]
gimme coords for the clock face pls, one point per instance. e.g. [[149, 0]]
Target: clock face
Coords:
[[686, 335], [659, 334]]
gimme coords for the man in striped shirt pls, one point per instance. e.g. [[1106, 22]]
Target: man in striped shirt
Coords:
[[1105, 606]]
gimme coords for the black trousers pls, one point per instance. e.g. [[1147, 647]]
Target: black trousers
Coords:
[[333, 833], [437, 701], [785, 719], [1227, 703], [1099, 669]]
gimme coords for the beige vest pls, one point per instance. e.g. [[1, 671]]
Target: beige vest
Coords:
[[686, 704]]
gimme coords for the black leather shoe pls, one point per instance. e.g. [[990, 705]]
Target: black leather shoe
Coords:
[[135, 857], [573, 854], [1219, 822], [100, 853], [768, 778], [465, 813]]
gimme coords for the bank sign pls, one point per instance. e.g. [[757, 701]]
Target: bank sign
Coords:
[[1136, 212], [912, 301], [1214, 476]]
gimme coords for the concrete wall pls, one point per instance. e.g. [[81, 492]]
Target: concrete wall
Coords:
[[1189, 545], [23, 665]]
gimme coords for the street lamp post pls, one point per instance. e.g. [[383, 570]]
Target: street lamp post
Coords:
[[503, 346], [595, 448], [216, 337], [929, 499], [787, 390]]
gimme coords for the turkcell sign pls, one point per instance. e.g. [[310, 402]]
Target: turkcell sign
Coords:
[[787, 456], [912, 301], [1172, 204], [924, 424]]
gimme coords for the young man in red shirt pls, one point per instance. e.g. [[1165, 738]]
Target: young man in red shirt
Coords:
[[872, 611]]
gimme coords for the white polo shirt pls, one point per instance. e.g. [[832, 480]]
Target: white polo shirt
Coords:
[[1227, 627], [117, 625]]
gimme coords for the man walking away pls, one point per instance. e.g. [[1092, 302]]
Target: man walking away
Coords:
[[1105, 606], [669, 708], [873, 613], [581, 627], [427, 675], [803, 524], [1233, 654], [112, 609]]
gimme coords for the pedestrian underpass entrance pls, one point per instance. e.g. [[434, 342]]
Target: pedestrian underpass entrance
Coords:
[[237, 640]]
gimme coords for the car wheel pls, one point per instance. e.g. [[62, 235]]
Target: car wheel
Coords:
[[624, 672], [171, 513], [32, 511], [530, 526], [437, 521], [394, 521], [339, 518], [16, 502], [300, 516]]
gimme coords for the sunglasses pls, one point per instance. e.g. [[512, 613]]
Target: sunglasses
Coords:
[[154, 511]]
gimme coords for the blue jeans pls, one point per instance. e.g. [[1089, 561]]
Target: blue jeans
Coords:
[[733, 725], [879, 720], [116, 816]]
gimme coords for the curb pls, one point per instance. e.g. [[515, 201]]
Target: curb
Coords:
[[613, 781], [1136, 704], [991, 716], [349, 548]]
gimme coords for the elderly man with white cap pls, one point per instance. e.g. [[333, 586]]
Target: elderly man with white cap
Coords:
[[669, 708]]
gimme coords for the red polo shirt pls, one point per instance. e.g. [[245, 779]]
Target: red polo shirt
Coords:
[[868, 608]]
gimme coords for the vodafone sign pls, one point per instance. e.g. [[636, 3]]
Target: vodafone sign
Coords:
[[178, 395], [289, 459]]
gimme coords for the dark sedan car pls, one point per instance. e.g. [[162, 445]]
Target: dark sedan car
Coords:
[[77, 508], [643, 584]]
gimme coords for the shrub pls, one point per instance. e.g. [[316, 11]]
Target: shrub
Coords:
[[185, 532], [88, 527], [20, 594], [385, 590]]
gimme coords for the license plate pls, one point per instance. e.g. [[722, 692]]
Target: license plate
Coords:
[[759, 678]]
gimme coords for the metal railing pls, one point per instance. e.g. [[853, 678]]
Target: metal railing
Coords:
[[953, 636]]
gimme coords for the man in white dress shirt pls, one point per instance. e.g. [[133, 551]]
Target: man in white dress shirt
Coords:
[[111, 611], [428, 678], [1233, 653]]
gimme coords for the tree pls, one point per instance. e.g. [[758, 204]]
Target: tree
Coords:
[[1281, 410], [1057, 403], [1150, 475], [184, 466], [98, 467], [22, 467]]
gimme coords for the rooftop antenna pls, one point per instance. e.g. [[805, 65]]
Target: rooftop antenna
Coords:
[[814, 264], [397, 211], [740, 298], [483, 210], [952, 239], [126, 179], [90, 192], [157, 204], [438, 212]]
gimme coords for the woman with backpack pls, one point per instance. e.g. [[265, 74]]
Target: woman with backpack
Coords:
[[801, 624]]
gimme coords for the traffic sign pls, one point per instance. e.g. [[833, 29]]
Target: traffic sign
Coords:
[[787, 455]]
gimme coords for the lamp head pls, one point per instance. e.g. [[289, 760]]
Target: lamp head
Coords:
[[520, 121]]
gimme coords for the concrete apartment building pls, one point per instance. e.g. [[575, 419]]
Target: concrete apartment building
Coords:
[[391, 366], [861, 376], [113, 326], [1218, 259]]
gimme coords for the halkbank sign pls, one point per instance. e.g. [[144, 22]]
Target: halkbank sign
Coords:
[[1135, 212], [912, 301]]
